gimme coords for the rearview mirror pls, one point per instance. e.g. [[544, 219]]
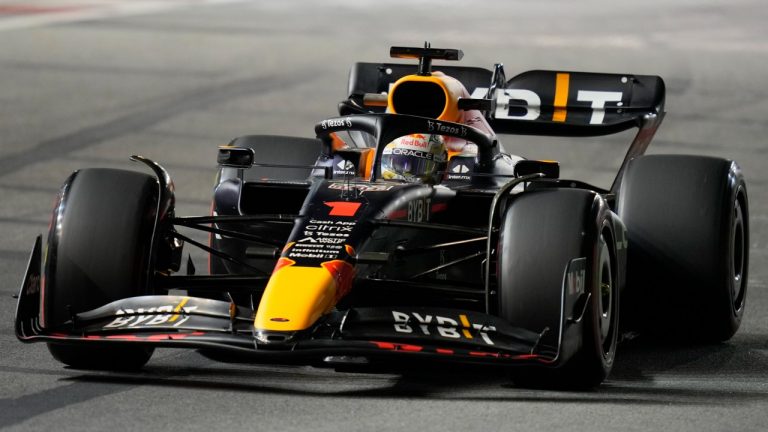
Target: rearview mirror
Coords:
[[238, 157], [550, 169]]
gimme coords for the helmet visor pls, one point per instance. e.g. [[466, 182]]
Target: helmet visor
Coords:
[[409, 163]]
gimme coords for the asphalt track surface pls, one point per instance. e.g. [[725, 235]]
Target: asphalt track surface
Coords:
[[174, 83]]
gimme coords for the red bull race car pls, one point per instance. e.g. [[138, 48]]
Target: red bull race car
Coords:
[[403, 231]]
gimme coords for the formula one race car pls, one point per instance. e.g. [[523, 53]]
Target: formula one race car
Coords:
[[405, 231]]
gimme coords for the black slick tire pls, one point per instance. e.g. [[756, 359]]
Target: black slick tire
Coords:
[[99, 251], [688, 232], [541, 233]]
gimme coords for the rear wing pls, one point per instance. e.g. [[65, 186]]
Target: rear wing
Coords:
[[540, 102]]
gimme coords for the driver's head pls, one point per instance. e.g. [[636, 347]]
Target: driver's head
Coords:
[[414, 158]]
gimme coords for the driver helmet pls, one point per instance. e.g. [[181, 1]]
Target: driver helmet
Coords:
[[413, 158]]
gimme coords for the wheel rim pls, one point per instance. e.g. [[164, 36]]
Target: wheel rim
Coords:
[[606, 299], [738, 257]]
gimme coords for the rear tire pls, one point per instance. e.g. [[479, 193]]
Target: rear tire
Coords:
[[688, 231], [99, 251]]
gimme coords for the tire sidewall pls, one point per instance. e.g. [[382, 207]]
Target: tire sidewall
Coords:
[[100, 242], [679, 213]]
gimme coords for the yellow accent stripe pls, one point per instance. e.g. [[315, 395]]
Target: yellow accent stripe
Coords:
[[464, 320], [288, 246], [561, 97], [178, 309], [465, 323]]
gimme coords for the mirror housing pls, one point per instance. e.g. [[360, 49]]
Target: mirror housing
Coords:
[[237, 157], [550, 169]]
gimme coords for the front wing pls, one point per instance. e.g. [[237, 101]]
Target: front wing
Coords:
[[182, 321]]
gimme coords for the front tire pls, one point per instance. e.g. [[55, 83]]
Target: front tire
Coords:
[[99, 251], [543, 233], [593, 362], [101, 357]]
